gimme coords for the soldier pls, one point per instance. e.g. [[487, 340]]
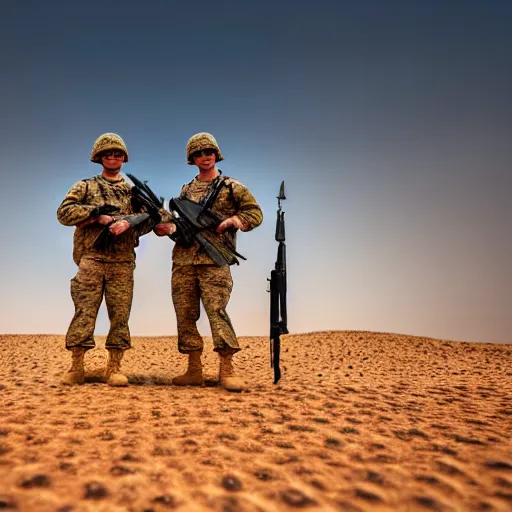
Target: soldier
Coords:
[[90, 205], [194, 275]]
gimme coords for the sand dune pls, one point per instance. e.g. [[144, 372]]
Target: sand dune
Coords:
[[360, 421]]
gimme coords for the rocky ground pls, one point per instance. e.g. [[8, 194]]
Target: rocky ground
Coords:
[[360, 421]]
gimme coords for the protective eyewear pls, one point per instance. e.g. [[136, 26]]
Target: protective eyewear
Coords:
[[205, 152], [115, 154]]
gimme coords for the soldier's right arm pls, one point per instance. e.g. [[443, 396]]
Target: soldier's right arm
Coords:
[[72, 211]]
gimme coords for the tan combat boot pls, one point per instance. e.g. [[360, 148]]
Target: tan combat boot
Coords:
[[75, 374], [227, 377], [113, 375], [194, 374]]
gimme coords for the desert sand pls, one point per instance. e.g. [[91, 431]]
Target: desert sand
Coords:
[[360, 421]]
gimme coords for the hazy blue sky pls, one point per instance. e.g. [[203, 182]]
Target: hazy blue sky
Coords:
[[390, 122]]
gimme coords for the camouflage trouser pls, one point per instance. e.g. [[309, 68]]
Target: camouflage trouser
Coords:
[[93, 280], [212, 285]]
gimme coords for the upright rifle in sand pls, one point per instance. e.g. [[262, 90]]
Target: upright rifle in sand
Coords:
[[277, 289]]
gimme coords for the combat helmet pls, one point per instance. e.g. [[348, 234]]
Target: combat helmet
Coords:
[[105, 142], [201, 141]]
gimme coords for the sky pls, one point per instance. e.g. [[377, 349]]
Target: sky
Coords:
[[389, 121]]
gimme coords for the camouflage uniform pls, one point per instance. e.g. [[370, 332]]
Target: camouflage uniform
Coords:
[[195, 276], [106, 273]]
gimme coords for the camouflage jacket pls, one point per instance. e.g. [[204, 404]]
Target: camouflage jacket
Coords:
[[233, 199], [85, 196]]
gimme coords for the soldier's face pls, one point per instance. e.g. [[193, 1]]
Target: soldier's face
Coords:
[[205, 159], [113, 161]]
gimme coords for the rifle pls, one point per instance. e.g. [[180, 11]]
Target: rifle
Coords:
[[194, 221], [140, 224], [278, 314]]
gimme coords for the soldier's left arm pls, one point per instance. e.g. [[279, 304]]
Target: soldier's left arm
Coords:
[[248, 211]]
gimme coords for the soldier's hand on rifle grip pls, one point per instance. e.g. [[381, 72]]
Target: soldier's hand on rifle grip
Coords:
[[119, 227], [105, 220], [164, 229], [230, 222]]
